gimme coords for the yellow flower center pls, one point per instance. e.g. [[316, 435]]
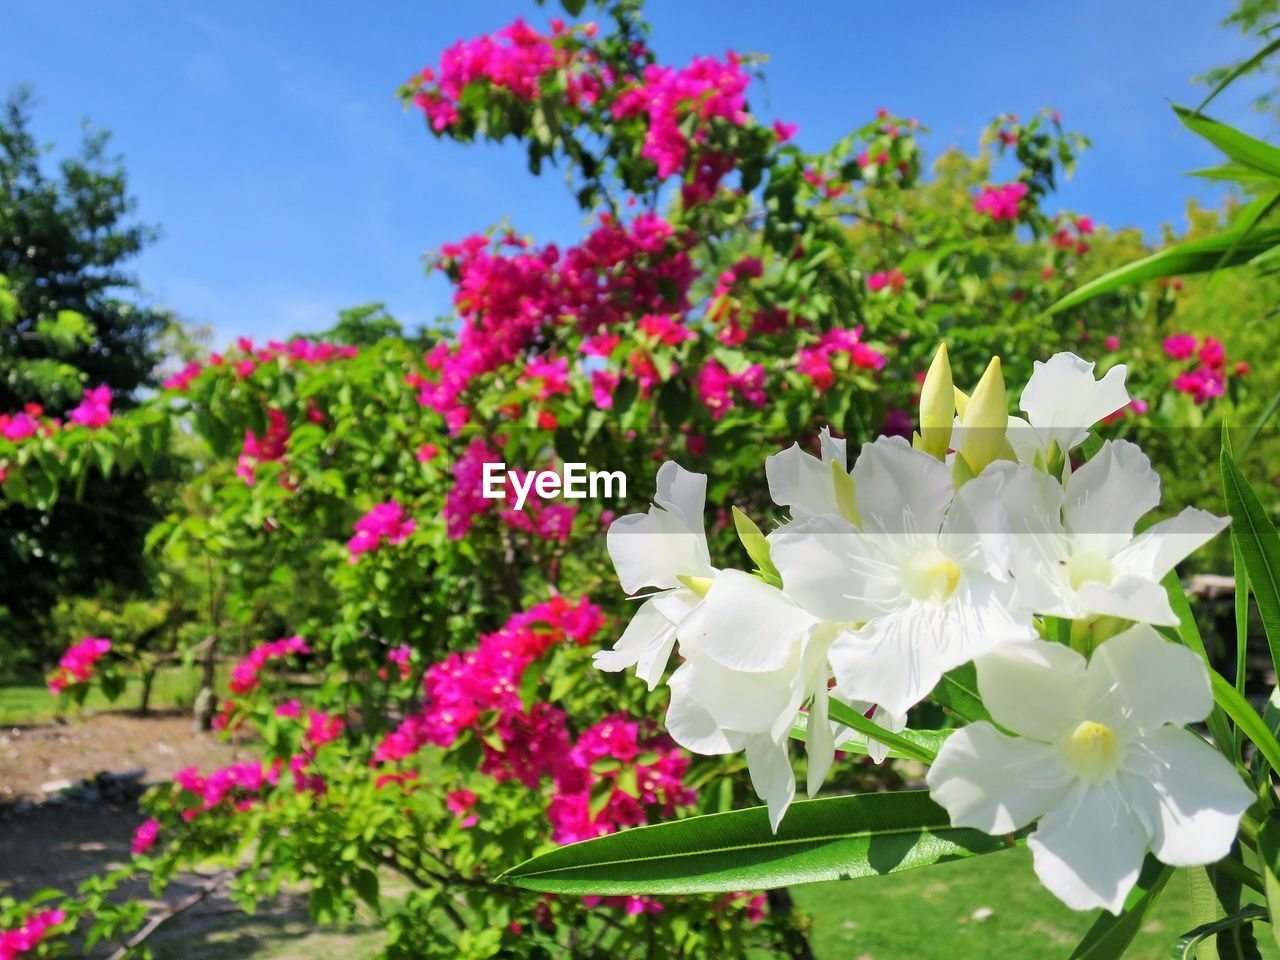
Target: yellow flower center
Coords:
[[931, 575], [1086, 566], [1092, 750]]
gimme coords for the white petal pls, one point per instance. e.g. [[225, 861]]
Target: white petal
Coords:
[[896, 659], [689, 723], [834, 571], [1128, 598], [819, 744], [893, 722], [653, 549], [900, 490], [1188, 796], [746, 624], [1108, 495], [772, 776], [976, 530], [1062, 400], [1164, 545], [1152, 680], [746, 702], [645, 644], [1033, 688], [803, 482], [993, 782], [1088, 850]]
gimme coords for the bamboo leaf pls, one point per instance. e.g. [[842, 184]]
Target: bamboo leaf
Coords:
[[1259, 547], [1110, 935]]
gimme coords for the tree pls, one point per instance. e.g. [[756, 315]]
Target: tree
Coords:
[[64, 242]]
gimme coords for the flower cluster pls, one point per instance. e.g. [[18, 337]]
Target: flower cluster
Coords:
[[816, 361], [94, 409], [1207, 378], [144, 838], [244, 675], [244, 358], [1001, 203], [667, 98], [957, 546], [270, 446], [76, 665], [384, 523], [238, 786], [14, 943]]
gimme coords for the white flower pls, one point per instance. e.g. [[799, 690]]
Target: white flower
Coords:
[[1075, 549], [804, 483], [920, 589], [1101, 759], [1062, 401], [753, 658], [656, 549]]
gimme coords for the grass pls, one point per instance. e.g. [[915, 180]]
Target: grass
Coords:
[[29, 702], [991, 907]]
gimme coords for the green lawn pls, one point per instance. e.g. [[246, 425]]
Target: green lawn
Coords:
[[929, 914], [29, 702]]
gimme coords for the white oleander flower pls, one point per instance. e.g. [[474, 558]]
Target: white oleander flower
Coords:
[[1101, 759], [664, 549], [1076, 554], [919, 589], [753, 658], [802, 482], [1062, 401]]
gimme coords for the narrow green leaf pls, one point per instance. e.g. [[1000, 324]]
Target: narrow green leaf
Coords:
[[1196, 256], [828, 839], [1110, 935], [1237, 145], [1269, 862], [1259, 547], [957, 691], [1267, 412], [1188, 634], [757, 547], [1246, 718], [1241, 68], [1185, 947], [926, 740], [842, 713]]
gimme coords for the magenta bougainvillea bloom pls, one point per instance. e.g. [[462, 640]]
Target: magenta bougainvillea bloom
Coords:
[[18, 426], [76, 665], [244, 675], [144, 838], [14, 943], [385, 523], [94, 410], [1001, 203], [1180, 346]]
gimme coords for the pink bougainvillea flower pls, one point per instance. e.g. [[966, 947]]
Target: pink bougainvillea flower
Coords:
[[76, 665], [244, 675], [1180, 346], [28, 935], [144, 837], [385, 523], [1001, 203], [1212, 353], [18, 426]]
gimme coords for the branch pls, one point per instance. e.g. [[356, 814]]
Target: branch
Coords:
[[186, 903]]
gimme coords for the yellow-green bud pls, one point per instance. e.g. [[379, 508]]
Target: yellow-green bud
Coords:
[[986, 420], [937, 406]]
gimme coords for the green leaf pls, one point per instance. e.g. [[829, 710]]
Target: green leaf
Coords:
[[1196, 256], [1246, 718], [1241, 68], [926, 740], [1185, 947], [828, 839], [843, 713], [1269, 865], [1238, 146], [957, 691], [757, 547], [1259, 546], [1111, 935], [1188, 634]]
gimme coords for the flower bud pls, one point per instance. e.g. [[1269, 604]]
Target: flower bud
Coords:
[[986, 420], [937, 406]]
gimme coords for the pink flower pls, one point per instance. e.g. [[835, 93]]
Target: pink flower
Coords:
[[270, 447], [603, 385], [322, 728], [459, 803], [1212, 353], [1112, 343], [94, 410], [183, 378], [244, 675], [1001, 203], [76, 665], [19, 426], [144, 837], [784, 131], [894, 279], [28, 936], [1180, 346], [290, 708], [386, 522], [427, 452]]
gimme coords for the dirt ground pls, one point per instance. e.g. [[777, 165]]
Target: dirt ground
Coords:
[[47, 843]]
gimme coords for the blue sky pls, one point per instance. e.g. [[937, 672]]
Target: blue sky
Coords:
[[266, 141]]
